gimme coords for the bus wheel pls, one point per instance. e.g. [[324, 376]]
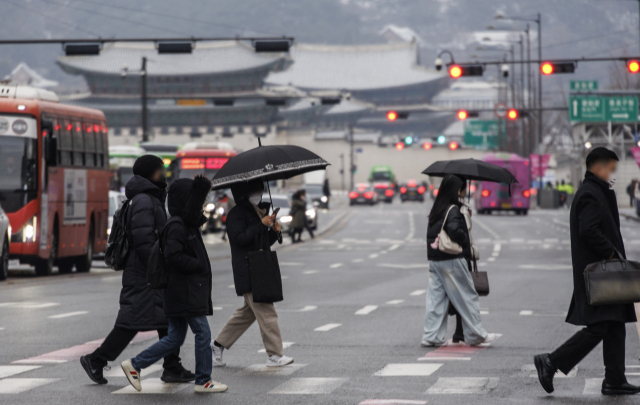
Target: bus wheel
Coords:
[[44, 267], [4, 260], [83, 263]]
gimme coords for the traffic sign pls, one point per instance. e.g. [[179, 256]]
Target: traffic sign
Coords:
[[583, 85], [603, 108], [482, 133], [500, 109]]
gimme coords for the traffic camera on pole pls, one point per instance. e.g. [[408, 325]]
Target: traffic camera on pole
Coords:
[[549, 68], [633, 66]]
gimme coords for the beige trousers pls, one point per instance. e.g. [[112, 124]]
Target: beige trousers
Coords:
[[244, 317]]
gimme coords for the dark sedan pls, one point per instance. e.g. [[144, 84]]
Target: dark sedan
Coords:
[[363, 194], [412, 191]]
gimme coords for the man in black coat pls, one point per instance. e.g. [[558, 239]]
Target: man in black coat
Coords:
[[595, 236], [187, 297], [141, 308], [250, 229]]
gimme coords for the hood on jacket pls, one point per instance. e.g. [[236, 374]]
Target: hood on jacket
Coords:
[[187, 197], [138, 185]]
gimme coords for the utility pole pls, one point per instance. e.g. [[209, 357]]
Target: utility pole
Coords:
[[145, 112], [342, 170], [351, 166], [539, 21]]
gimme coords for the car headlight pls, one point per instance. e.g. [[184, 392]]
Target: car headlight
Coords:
[[108, 231], [311, 213], [210, 207], [286, 219], [29, 230], [324, 199], [220, 210]]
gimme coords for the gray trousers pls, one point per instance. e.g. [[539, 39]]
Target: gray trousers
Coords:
[[450, 281]]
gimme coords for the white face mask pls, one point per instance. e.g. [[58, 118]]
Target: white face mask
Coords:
[[255, 198], [612, 181]]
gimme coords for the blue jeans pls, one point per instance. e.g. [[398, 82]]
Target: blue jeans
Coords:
[[168, 344]]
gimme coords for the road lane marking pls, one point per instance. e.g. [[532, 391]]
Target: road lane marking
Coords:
[[526, 312], [549, 267], [232, 286], [68, 314], [530, 371], [463, 385], [412, 227], [298, 386], [28, 305], [18, 385], [8, 371], [284, 346], [153, 386], [444, 358], [395, 302], [404, 266], [490, 231], [366, 310], [308, 308], [336, 265], [264, 370], [310, 272], [291, 264], [497, 247], [408, 370], [357, 260], [491, 259], [391, 402], [394, 247], [418, 292], [373, 256], [327, 327]]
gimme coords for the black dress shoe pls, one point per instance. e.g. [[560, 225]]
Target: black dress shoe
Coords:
[[546, 371], [178, 376], [94, 371], [622, 389]]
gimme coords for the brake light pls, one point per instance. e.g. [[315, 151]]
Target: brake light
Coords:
[[368, 195], [526, 193], [381, 185], [472, 188], [493, 203], [431, 187], [403, 190], [412, 183], [421, 189], [353, 195], [435, 192], [486, 193], [388, 192]]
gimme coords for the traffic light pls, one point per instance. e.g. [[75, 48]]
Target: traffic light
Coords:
[[464, 114], [514, 113], [453, 145], [456, 71], [395, 115], [408, 140], [427, 146], [400, 145], [633, 66], [441, 139], [548, 68]]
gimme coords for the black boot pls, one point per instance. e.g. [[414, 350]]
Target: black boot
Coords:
[[621, 389], [93, 369], [458, 335], [178, 375], [546, 371]]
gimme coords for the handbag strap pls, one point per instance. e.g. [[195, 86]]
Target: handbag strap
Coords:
[[446, 216]]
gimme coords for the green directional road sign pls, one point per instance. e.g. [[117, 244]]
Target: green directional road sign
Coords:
[[482, 134], [603, 108], [583, 85]]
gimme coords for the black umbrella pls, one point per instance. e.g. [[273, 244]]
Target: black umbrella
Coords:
[[471, 169]]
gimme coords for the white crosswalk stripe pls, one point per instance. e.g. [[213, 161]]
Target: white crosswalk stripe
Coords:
[[19, 385], [8, 371], [263, 370], [154, 386], [366, 310], [309, 386], [408, 370], [463, 385]]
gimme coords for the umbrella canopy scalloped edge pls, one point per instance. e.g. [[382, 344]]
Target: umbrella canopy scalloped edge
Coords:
[[278, 172]]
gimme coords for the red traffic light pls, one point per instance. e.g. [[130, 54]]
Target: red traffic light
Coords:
[[427, 146], [455, 71], [462, 115], [400, 145], [453, 145], [512, 114], [633, 66], [392, 115], [547, 68]]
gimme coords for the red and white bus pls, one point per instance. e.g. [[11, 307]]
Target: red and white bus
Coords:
[[54, 179], [200, 158]]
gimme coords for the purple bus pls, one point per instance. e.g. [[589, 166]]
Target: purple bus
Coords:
[[491, 196]]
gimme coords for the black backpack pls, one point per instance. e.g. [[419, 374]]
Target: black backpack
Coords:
[[117, 250], [157, 277]]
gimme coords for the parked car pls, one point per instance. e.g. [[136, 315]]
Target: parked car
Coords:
[[5, 239], [412, 191], [363, 194]]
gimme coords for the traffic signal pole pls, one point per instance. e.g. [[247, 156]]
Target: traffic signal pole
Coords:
[[539, 22], [145, 110], [351, 166]]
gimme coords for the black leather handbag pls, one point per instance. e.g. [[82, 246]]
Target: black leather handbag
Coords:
[[615, 281], [266, 280], [480, 280]]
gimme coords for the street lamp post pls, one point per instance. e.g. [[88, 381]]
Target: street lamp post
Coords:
[[145, 110]]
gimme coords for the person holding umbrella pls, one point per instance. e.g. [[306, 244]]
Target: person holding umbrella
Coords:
[[251, 234], [449, 276]]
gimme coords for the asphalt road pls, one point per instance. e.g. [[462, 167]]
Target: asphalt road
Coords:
[[352, 314]]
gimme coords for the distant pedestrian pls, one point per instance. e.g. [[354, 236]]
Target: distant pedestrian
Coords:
[[449, 276], [298, 216], [187, 298], [595, 236], [326, 191], [631, 190], [141, 308], [250, 230]]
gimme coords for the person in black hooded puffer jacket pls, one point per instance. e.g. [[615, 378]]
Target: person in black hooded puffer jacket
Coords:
[[187, 297], [141, 308]]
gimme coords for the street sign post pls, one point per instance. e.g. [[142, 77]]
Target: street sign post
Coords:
[[583, 85], [603, 108], [482, 134]]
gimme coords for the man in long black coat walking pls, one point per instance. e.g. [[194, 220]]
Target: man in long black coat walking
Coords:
[[141, 308], [595, 236]]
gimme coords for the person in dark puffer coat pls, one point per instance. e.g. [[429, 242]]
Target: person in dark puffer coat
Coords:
[[187, 297], [141, 308]]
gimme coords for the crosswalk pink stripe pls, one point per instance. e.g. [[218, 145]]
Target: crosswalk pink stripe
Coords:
[[391, 402]]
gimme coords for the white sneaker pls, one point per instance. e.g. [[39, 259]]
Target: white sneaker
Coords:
[[211, 387], [132, 374], [490, 338], [279, 361], [425, 343], [217, 356]]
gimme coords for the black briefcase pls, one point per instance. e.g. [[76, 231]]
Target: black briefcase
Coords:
[[266, 281], [612, 282], [480, 280]]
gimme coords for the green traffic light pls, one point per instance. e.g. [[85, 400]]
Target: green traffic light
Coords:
[[442, 139], [408, 140]]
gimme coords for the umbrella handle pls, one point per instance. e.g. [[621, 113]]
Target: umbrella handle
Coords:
[[269, 189]]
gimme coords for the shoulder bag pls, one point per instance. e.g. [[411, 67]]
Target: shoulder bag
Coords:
[[446, 245], [615, 281]]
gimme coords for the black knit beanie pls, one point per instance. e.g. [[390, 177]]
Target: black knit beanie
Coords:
[[146, 165]]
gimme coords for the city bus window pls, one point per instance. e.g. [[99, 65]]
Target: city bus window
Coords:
[[105, 145], [65, 144], [89, 145], [78, 145], [99, 145]]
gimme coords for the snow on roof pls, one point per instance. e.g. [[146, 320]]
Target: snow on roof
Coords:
[[24, 75], [393, 33], [354, 67]]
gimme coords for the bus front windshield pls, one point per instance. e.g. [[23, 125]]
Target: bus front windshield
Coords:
[[18, 171]]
